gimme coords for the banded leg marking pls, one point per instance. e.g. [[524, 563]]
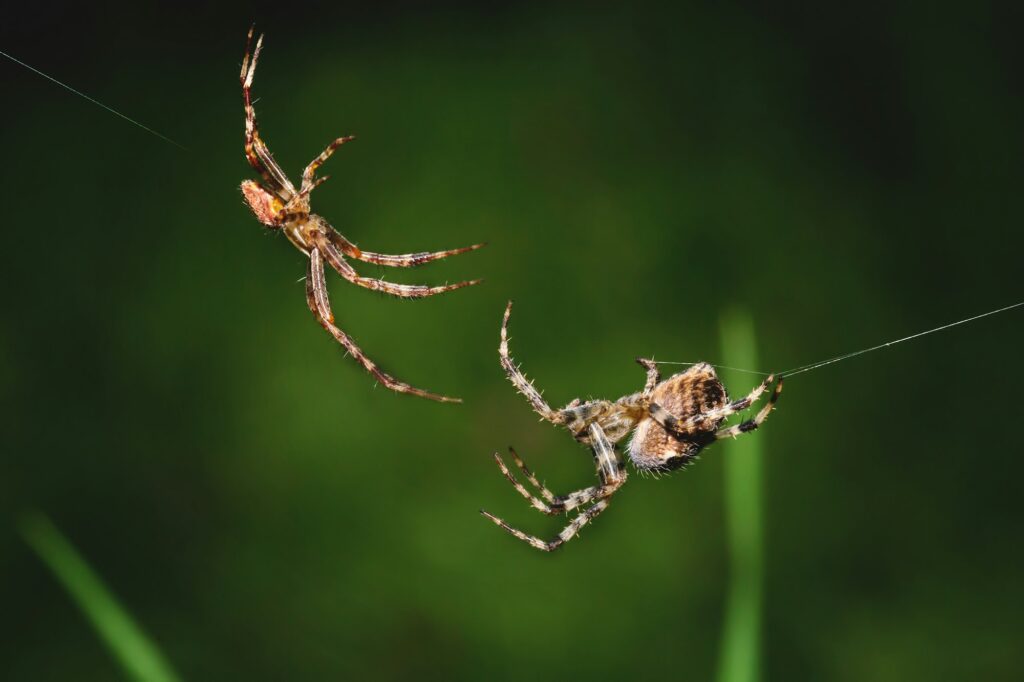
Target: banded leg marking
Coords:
[[519, 380], [751, 424], [337, 261], [319, 304]]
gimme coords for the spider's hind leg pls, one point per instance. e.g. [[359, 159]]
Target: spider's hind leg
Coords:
[[653, 375], [684, 426], [751, 424]]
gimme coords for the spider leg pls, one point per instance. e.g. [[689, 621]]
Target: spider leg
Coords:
[[519, 380], [316, 297], [405, 260], [548, 495], [412, 260], [307, 175], [568, 533], [256, 150], [682, 426], [653, 375], [751, 424], [610, 472], [337, 261]]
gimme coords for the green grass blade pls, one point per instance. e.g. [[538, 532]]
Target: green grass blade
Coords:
[[140, 658], [740, 655]]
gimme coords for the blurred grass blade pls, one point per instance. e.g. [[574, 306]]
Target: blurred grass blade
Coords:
[[740, 655], [140, 658]]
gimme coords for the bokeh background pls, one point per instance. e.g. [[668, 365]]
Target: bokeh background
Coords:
[[845, 175]]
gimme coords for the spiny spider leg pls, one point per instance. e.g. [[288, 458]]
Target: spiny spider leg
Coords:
[[307, 175], [412, 260], [653, 375], [553, 509], [609, 470], [751, 424], [336, 260], [519, 380], [683, 426], [256, 151], [405, 260], [316, 297], [548, 495], [568, 533]]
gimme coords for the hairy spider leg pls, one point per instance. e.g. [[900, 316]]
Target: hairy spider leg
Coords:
[[519, 380], [653, 375], [548, 495], [405, 260], [307, 175], [411, 260], [337, 261], [751, 424], [568, 533], [316, 297], [256, 150], [611, 473], [675, 425]]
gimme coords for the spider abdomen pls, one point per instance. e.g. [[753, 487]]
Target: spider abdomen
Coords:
[[684, 395]]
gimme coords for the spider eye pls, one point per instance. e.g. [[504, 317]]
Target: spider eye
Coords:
[[263, 204]]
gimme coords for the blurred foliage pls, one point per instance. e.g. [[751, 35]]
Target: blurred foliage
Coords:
[[140, 659], [846, 174], [739, 659]]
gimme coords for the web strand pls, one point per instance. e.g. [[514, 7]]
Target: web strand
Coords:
[[846, 356], [96, 102]]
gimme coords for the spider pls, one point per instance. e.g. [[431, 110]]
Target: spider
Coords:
[[279, 206], [671, 422]]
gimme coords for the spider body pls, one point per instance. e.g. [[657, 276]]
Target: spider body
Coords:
[[685, 395], [278, 205], [671, 421]]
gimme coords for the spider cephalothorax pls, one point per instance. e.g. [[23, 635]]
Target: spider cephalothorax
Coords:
[[278, 205], [671, 422]]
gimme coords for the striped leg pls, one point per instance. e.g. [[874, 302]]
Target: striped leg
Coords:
[[610, 471], [307, 175], [256, 150], [412, 260], [568, 533], [406, 260], [316, 297], [684, 426], [337, 261], [547, 494], [653, 375], [751, 424], [556, 504], [519, 380]]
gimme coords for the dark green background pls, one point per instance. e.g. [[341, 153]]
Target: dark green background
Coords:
[[847, 176]]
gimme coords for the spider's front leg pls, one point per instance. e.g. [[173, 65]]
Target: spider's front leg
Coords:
[[316, 297], [519, 380], [256, 150], [610, 471]]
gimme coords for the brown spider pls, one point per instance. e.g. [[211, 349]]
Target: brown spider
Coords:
[[279, 206], [671, 422]]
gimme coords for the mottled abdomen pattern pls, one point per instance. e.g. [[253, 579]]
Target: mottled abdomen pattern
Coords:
[[684, 395]]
